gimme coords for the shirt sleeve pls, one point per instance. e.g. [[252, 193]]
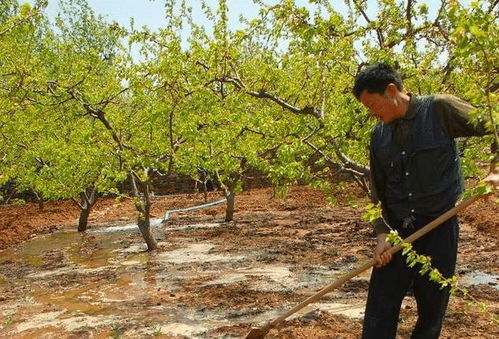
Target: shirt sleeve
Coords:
[[454, 116], [376, 180]]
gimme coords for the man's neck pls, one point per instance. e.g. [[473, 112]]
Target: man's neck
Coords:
[[403, 101]]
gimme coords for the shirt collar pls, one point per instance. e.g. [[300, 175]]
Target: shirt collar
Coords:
[[409, 114], [411, 109]]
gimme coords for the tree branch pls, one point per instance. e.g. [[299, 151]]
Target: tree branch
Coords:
[[363, 170], [408, 16], [379, 33], [262, 94], [77, 203], [331, 161]]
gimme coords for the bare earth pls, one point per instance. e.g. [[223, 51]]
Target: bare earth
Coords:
[[211, 278]]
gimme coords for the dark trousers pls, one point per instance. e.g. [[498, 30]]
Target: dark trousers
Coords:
[[389, 285]]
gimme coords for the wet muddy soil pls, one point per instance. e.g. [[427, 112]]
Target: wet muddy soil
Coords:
[[212, 278]]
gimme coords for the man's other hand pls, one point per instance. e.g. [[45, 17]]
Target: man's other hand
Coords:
[[381, 252]]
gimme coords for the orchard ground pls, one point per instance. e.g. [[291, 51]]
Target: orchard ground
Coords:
[[212, 278]]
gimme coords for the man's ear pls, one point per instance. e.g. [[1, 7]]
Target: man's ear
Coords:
[[391, 90]]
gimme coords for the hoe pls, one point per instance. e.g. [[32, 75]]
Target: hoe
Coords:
[[257, 333]]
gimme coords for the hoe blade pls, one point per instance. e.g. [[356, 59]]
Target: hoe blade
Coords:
[[257, 333]]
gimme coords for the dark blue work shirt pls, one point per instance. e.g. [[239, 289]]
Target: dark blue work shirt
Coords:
[[414, 160]]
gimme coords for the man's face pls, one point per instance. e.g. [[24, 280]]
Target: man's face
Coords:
[[382, 106]]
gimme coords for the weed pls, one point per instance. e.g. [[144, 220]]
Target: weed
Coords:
[[157, 331], [116, 330], [9, 319]]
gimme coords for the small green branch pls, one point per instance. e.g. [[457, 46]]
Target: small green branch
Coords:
[[413, 258]]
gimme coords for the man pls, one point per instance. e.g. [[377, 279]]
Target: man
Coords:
[[415, 174]]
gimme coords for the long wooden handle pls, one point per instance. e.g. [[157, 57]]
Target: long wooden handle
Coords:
[[340, 281]]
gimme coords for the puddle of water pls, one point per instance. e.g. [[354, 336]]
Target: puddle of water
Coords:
[[74, 300], [115, 279], [139, 257], [195, 324], [99, 257], [324, 276], [58, 247], [480, 278], [97, 298], [274, 278], [318, 276], [194, 226], [137, 248], [276, 273], [32, 251], [134, 259], [184, 322], [131, 263], [51, 319], [355, 311], [179, 329], [281, 278], [65, 270], [114, 229], [38, 320], [155, 222], [33, 261], [195, 253]]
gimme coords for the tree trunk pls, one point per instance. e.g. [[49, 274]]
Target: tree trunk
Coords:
[[83, 220], [229, 210], [229, 192], [205, 191], [144, 223], [143, 207], [87, 202], [273, 192], [39, 200]]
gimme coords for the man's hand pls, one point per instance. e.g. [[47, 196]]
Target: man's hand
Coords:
[[381, 252]]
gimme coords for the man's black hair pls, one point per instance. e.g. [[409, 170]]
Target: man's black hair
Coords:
[[374, 79]]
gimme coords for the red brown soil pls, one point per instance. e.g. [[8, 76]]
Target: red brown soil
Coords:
[[18, 223], [298, 230]]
